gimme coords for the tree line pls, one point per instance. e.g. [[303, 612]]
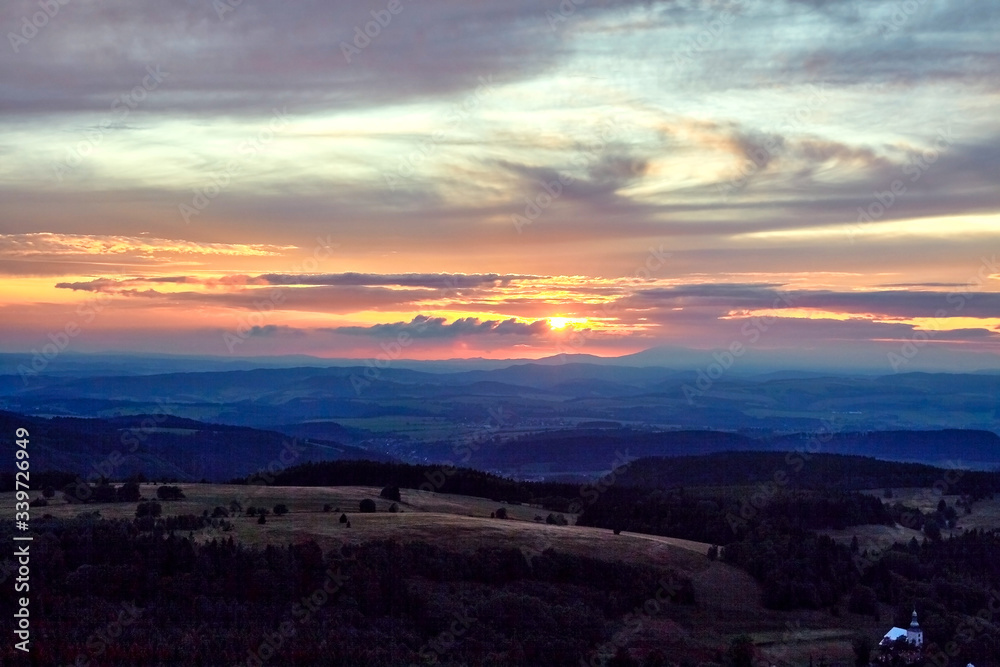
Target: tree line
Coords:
[[106, 592], [442, 479]]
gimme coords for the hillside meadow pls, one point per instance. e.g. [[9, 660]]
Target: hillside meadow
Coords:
[[728, 598]]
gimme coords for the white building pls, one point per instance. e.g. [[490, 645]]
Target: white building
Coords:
[[914, 635]]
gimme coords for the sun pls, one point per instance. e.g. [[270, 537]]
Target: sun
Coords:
[[559, 323]]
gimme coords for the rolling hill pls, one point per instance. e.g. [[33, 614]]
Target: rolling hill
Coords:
[[162, 447]]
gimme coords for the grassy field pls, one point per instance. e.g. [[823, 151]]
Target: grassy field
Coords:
[[455, 522], [421, 428], [874, 537], [985, 513], [728, 598]]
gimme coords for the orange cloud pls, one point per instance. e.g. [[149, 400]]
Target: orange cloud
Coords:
[[45, 244]]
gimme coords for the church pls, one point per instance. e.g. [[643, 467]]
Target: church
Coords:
[[914, 635]]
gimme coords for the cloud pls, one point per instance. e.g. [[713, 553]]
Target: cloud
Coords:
[[48, 245], [607, 173], [424, 326], [271, 330], [309, 299], [96, 285], [536, 296], [435, 280], [260, 54], [968, 300], [444, 281], [830, 101]]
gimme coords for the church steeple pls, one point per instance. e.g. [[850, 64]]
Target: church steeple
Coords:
[[914, 634]]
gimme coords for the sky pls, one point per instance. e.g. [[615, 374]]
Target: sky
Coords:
[[501, 178]]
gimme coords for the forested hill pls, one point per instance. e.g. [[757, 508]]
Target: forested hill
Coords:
[[800, 470], [946, 447], [793, 470], [599, 448], [576, 449], [442, 479], [162, 446]]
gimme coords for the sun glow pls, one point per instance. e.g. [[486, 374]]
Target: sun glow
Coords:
[[563, 322]]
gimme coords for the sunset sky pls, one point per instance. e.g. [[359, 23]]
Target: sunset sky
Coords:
[[502, 178]]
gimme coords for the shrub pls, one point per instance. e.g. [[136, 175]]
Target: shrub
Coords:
[[104, 493], [38, 502], [501, 513], [280, 509], [932, 530], [150, 509], [741, 651], [554, 503], [394, 508], [862, 645], [220, 513], [343, 518], [326, 507], [128, 492], [170, 493], [188, 522], [261, 518], [863, 601], [367, 506], [391, 493], [77, 493]]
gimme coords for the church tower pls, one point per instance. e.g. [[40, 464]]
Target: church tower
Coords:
[[914, 635]]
